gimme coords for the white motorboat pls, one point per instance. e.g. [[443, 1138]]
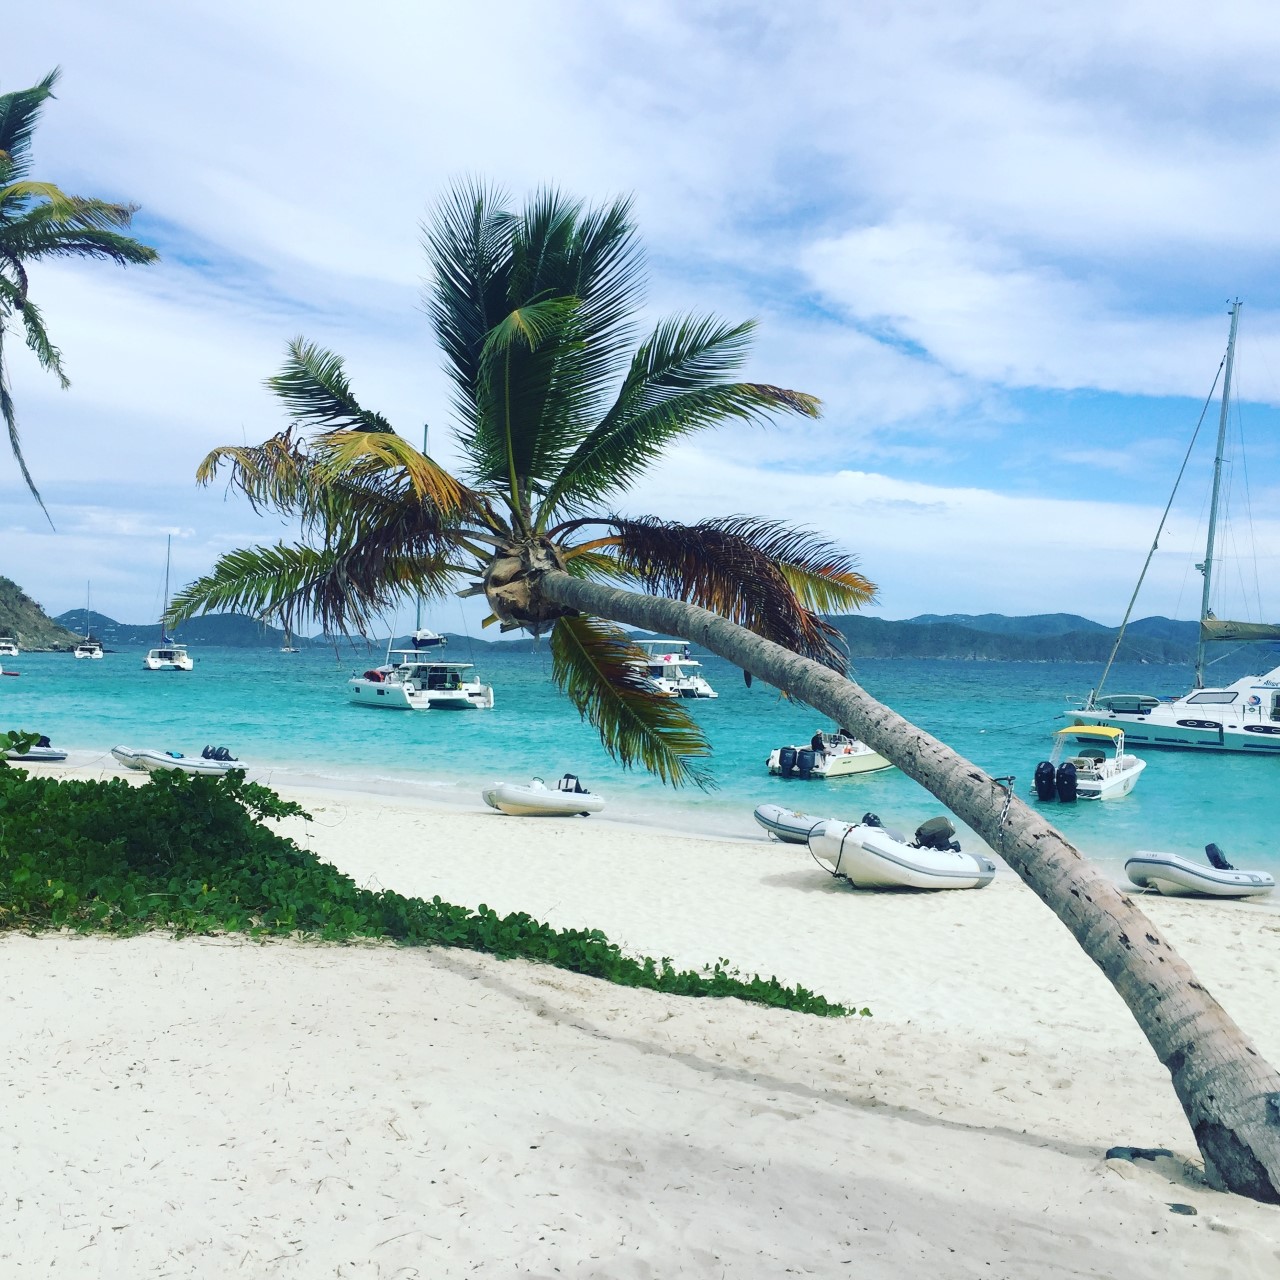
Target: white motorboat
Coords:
[[1242, 716], [411, 680], [8, 647], [871, 856], [535, 799], [828, 755], [40, 753], [168, 655], [1168, 873], [1089, 774], [216, 761], [671, 671], [88, 648], [787, 825]]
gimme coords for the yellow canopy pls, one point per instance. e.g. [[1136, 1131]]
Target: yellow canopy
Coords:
[[1091, 731]]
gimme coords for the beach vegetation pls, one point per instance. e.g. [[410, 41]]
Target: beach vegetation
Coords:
[[194, 855], [38, 220], [561, 405]]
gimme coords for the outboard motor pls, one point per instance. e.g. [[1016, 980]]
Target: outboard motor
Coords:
[[1046, 788], [570, 782], [805, 759], [1067, 784], [787, 761], [1216, 858], [871, 820], [936, 834], [44, 741]]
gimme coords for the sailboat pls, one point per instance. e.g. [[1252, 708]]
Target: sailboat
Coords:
[[88, 647], [289, 646], [168, 656], [1243, 716]]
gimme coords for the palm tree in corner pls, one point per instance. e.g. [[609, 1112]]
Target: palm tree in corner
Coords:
[[38, 220], [561, 407]]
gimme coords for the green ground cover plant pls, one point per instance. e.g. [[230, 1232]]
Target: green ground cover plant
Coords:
[[195, 855]]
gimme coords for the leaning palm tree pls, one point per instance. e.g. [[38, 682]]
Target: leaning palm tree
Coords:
[[38, 220], [561, 407]]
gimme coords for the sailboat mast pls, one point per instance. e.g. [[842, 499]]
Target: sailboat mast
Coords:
[[1207, 567], [417, 625], [164, 626]]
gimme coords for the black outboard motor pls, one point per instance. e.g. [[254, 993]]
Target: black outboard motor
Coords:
[[571, 782], [1067, 783], [1216, 858], [936, 834], [787, 761], [1046, 788], [44, 741], [805, 759], [871, 820]]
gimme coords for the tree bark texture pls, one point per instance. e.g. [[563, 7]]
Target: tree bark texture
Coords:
[[1230, 1094]]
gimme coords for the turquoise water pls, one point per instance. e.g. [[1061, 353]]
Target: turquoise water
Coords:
[[288, 715]]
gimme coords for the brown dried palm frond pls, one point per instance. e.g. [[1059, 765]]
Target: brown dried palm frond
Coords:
[[603, 674]]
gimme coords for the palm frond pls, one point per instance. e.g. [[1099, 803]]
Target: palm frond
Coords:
[[38, 340], [316, 392], [271, 475], [345, 453], [9, 414], [19, 113], [766, 576], [676, 385], [603, 674]]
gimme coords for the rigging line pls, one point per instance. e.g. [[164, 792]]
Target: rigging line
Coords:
[[1133, 599], [1248, 508]]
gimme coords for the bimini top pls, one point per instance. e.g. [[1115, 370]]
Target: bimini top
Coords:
[[1091, 731]]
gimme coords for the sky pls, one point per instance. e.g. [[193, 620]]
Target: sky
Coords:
[[998, 240]]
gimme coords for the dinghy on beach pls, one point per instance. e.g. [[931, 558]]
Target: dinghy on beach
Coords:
[[216, 760], [787, 825], [41, 753], [1168, 873], [536, 800], [870, 856]]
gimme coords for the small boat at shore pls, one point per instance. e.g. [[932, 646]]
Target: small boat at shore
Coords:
[[828, 755], [214, 760], [1090, 774], [41, 753], [1169, 873], [787, 825], [871, 856], [535, 799]]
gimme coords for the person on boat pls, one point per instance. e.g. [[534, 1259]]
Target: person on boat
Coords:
[[818, 742]]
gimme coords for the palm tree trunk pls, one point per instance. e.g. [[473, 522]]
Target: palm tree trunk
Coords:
[[1231, 1096]]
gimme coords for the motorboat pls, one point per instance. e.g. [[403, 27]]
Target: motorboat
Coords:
[[1098, 770], [786, 825], [40, 753], [828, 755], [567, 798], [1169, 873], [88, 648], [671, 671], [168, 657], [8, 647], [410, 680], [1242, 716], [871, 856], [213, 761]]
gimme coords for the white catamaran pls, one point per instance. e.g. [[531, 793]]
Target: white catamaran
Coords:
[[1242, 716], [168, 655]]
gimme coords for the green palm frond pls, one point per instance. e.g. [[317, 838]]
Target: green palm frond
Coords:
[[316, 392], [603, 674], [271, 475], [351, 453], [19, 113], [676, 385], [38, 340], [9, 414], [768, 577]]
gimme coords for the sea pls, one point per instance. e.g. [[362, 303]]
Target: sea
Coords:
[[290, 719]]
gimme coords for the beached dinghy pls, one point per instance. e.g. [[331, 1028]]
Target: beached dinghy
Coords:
[[215, 760], [41, 753], [535, 799], [786, 824], [870, 856], [1168, 873]]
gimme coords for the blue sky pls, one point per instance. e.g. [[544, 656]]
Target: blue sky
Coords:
[[998, 240]]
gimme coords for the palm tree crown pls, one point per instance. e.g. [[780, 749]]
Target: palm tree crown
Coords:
[[561, 406], [39, 220]]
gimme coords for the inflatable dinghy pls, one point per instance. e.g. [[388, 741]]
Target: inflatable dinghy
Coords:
[[217, 760], [535, 799], [41, 753], [786, 824], [1170, 874], [871, 856]]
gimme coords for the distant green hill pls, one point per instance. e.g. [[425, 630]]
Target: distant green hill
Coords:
[[23, 619], [228, 630], [1038, 624]]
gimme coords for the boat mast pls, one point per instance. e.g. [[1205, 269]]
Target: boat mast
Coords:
[[164, 630], [417, 624], [1207, 567]]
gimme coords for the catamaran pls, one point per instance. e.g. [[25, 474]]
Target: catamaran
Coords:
[[88, 647], [415, 680], [671, 671], [1242, 716], [168, 655]]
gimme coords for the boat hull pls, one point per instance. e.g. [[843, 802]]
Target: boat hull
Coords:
[[1180, 877], [787, 825], [37, 755], [870, 858], [540, 802], [152, 761], [846, 763]]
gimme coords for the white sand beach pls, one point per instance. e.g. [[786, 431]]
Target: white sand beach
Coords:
[[221, 1107]]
